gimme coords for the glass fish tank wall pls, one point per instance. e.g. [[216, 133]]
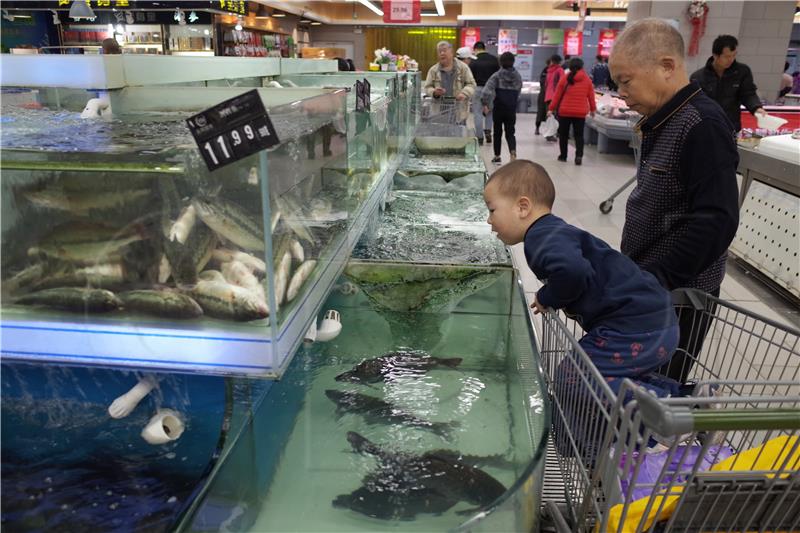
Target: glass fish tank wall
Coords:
[[113, 229], [426, 414]]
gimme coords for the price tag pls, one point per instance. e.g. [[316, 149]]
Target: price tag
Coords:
[[232, 130], [367, 94], [360, 104]]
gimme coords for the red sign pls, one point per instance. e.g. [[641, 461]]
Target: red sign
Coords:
[[606, 42], [573, 42], [402, 11], [470, 36]]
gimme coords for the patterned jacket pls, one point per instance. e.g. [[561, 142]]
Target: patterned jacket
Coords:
[[684, 212]]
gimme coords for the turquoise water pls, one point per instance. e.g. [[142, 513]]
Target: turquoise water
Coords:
[[493, 407]]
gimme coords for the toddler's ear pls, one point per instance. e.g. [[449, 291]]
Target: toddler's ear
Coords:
[[524, 206]]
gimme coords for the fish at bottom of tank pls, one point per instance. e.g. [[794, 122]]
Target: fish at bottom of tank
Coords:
[[204, 261]]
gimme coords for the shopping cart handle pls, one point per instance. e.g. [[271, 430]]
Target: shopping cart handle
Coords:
[[668, 419]]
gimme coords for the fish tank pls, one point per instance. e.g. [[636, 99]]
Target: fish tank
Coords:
[[427, 414], [113, 229], [402, 89]]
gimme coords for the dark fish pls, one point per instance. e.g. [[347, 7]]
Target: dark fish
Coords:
[[376, 411], [377, 502], [393, 364], [73, 299], [161, 303], [443, 473]]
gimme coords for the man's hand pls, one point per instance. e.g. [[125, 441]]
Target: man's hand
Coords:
[[485, 110], [537, 307], [437, 92], [549, 113], [591, 114], [461, 97], [760, 111]]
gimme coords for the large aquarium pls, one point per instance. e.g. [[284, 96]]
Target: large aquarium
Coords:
[[113, 229], [426, 414]]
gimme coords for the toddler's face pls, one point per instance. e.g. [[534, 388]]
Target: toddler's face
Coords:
[[504, 216]]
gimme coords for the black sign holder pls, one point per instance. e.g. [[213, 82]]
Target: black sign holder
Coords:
[[233, 130]]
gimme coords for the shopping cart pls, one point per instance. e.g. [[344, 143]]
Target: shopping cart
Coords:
[[636, 143], [443, 117], [726, 457]]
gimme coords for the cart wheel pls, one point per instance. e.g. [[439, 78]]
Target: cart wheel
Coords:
[[606, 206]]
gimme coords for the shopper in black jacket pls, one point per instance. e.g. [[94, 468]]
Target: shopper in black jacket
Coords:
[[482, 69], [684, 212], [727, 81], [541, 106]]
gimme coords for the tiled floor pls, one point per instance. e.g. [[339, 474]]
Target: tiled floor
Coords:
[[579, 191]]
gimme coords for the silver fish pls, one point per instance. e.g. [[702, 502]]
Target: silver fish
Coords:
[[178, 232], [282, 278], [286, 205], [231, 222], [74, 299], [297, 251], [223, 300], [224, 255], [299, 277], [86, 243], [82, 204], [104, 276], [237, 273], [212, 275]]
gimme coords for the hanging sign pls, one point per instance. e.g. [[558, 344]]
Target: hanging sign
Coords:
[[470, 36], [524, 63], [507, 41], [232, 130], [573, 42], [402, 11], [606, 41]]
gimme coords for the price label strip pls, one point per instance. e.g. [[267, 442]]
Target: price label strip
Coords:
[[367, 94], [232, 130]]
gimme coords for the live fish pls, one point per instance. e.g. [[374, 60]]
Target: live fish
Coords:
[[377, 500], [237, 273], [231, 222], [73, 299], [178, 232], [86, 242], [298, 254], [282, 278], [442, 472], [103, 276], [377, 411], [83, 203], [167, 304], [386, 367], [287, 205], [224, 255], [188, 259], [299, 277], [223, 300], [24, 279]]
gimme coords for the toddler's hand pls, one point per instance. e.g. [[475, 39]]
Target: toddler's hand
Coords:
[[537, 307]]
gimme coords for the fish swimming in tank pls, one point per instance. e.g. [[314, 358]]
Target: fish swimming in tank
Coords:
[[376, 411], [406, 485], [395, 364]]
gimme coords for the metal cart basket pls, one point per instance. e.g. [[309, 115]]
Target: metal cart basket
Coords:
[[726, 457], [443, 117], [636, 143]]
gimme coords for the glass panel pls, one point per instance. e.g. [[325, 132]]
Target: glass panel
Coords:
[[480, 402]]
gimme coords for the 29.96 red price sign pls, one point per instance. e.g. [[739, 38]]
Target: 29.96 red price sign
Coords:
[[232, 130]]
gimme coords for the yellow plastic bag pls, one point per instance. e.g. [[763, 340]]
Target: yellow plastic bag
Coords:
[[769, 456]]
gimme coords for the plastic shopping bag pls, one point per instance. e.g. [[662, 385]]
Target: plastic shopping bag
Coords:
[[550, 127]]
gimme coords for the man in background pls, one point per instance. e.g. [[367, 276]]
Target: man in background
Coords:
[[599, 73], [728, 82], [482, 69]]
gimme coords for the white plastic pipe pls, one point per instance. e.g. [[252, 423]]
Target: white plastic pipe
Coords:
[[165, 426], [125, 404]]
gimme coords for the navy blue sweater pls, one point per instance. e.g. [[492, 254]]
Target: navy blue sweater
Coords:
[[592, 282]]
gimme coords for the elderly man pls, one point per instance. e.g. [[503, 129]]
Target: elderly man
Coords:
[[729, 82], [684, 212], [450, 78]]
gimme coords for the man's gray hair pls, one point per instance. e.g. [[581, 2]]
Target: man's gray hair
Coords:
[[445, 44], [647, 40]]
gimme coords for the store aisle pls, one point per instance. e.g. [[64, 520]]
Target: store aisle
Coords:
[[579, 191]]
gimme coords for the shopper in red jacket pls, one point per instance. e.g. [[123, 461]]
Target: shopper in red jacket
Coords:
[[573, 100]]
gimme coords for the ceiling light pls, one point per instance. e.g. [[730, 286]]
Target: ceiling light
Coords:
[[369, 5], [316, 23], [80, 9], [305, 21], [277, 14], [429, 14], [238, 26], [439, 7]]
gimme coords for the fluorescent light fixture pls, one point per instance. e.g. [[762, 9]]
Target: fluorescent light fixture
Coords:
[[439, 7], [276, 14], [316, 23], [429, 14], [80, 9], [369, 5]]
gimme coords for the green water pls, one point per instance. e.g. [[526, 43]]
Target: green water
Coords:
[[493, 398]]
